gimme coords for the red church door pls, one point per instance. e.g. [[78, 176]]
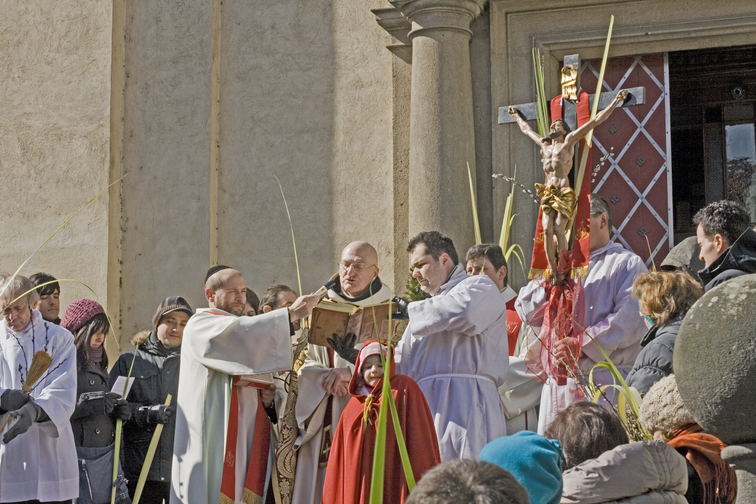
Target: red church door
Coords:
[[636, 178]]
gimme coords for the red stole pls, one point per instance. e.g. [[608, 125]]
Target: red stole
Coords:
[[257, 468], [513, 325]]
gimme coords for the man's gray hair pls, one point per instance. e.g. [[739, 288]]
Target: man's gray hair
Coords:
[[11, 287], [598, 206]]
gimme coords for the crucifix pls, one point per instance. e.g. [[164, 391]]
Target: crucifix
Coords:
[[570, 85], [558, 201]]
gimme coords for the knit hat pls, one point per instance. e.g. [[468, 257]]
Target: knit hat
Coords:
[[536, 463], [79, 313], [663, 408], [171, 304], [215, 269]]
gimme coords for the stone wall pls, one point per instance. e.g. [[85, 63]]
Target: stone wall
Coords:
[[55, 59], [218, 100]]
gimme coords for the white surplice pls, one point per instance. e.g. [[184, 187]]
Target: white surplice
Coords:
[[40, 464], [521, 392], [217, 345], [456, 349], [311, 408], [611, 320]]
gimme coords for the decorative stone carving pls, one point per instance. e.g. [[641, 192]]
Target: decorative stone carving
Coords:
[[715, 367]]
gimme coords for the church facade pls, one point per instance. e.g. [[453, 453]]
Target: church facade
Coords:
[[368, 113]]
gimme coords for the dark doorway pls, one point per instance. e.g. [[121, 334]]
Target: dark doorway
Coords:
[[713, 121]]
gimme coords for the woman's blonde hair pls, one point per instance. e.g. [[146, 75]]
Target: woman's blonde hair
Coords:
[[666, 295]]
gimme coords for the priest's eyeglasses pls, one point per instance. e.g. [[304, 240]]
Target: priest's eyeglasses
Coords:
[[358, 267]]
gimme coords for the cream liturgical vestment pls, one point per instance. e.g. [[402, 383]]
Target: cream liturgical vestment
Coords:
[[217, 345], [312, 406], [40, 464], [456, 349]]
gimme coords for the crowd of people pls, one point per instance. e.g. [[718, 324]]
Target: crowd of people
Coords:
[[248, 411]]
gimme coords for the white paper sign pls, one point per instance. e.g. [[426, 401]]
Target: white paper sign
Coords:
[[119, 384]]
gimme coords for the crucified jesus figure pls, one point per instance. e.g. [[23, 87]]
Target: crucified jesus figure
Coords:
[[557, 197]]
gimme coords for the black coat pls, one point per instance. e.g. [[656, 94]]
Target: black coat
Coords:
[[739, 259], [655, 360], [156, 373], [91, 426]]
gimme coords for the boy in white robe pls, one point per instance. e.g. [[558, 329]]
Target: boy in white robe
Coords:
[[38, 456], [217, 344], [455, 347]]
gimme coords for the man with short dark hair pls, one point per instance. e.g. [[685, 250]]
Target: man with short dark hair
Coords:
[[222, 443], [455, 347], [521, 392], [38, 457], [154, 363], [611, 315], [488, 259], [728, 244], [468, 481], [252, 305], [276, 297], [49, 296]]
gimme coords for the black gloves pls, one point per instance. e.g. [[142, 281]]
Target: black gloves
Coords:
[[122, 410], [13, 399], [401, 308], [25, 417], [345, 348], [159, 413], [109, 400]]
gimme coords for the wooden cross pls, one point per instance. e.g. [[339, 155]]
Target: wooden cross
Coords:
[[636, 96]]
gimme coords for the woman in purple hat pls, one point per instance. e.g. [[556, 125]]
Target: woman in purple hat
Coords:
[[97, 408]]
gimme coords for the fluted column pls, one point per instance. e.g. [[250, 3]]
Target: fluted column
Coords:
[[442, 139]]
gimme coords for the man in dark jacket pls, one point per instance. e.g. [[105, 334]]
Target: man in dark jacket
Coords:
[[156, 371], [728, 244]]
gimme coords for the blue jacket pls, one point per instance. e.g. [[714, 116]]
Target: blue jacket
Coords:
[[655, 360]]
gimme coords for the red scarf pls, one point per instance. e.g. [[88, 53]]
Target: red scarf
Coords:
[[257, 468], [704, 452]]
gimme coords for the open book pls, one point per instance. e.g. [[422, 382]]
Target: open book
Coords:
[[261, 381], [330, 318]]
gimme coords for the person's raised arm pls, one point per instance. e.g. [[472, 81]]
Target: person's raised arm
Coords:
[[302, 307], [524, 126], [574, 136]]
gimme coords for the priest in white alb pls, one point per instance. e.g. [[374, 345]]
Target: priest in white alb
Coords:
[[612, 320], [219, 454], [38, 455], [455, 347]]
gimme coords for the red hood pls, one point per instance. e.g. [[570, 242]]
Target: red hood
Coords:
[[369, 348]]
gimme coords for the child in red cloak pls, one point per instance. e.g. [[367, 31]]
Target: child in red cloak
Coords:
[[350, 463]]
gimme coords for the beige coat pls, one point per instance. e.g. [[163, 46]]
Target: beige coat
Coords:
[[638, 473]]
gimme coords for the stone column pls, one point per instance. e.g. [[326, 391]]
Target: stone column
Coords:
[[715, 369], [442, 139]]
